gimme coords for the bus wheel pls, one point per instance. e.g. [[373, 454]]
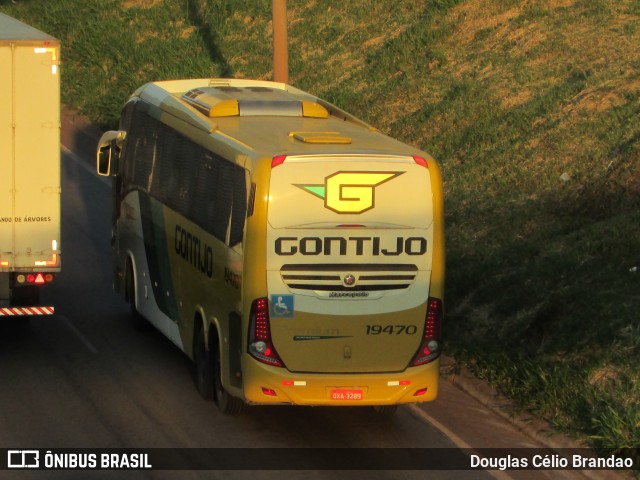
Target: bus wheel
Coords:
[[226, 402], [203, 367], [137, 320]]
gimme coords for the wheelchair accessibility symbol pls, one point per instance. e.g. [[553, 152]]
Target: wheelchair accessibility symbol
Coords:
[[282, 306]]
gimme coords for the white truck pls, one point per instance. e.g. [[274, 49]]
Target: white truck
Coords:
[[29, 166]]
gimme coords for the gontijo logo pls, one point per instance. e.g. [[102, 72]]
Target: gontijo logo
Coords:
[[350, 192]]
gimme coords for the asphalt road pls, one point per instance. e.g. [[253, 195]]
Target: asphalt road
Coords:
[[85, 378]]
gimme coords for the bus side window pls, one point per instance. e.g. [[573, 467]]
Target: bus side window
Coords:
[[224, 198], [239, 206]]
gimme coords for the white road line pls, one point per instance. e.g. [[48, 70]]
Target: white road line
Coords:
[[83, 164], [78, 334], [416, 411]]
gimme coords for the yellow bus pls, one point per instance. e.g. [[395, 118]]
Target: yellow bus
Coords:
[[292, 251]]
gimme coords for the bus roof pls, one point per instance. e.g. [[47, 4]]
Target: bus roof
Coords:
[[270, 118]]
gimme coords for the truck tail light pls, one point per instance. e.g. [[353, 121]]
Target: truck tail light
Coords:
[[34, 278]]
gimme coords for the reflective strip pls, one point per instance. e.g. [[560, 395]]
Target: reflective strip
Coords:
[[13, 311], [294, 383]]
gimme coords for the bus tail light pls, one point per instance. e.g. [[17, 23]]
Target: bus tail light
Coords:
[[420, 161], [429, 348], [260, 346], [278, 160], [270, 392]]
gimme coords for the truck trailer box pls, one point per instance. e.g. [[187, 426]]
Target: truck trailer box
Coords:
[[29, 165]]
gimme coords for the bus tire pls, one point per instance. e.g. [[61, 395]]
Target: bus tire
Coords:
[[138, 321], [227, 403], [203, 365]]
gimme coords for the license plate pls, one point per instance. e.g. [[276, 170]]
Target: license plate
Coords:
[[342, 394]]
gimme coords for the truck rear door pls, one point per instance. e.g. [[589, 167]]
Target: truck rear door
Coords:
[[30, 155]]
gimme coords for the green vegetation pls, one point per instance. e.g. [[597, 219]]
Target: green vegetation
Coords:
[[533, 110]]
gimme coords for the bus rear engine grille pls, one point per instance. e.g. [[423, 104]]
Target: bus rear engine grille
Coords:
[[349, 277]]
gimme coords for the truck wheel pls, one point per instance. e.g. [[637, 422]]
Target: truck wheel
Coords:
[[137, 320], [203, 366], [227, 403]]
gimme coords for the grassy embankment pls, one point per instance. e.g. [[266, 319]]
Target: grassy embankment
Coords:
[[533, 109]]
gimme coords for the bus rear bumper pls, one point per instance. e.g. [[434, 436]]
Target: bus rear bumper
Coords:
[[271, 385]]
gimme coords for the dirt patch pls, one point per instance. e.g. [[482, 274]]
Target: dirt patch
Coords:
[[520, 97], [604, 375], [603, 97], [127, 4], [472, 17]]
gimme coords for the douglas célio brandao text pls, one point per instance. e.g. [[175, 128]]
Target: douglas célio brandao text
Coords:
[[550, 462]]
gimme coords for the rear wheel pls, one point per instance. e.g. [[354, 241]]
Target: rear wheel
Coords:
[[226, 402], [203, 367]]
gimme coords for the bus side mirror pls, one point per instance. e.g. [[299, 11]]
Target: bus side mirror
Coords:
[[105, 152]]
